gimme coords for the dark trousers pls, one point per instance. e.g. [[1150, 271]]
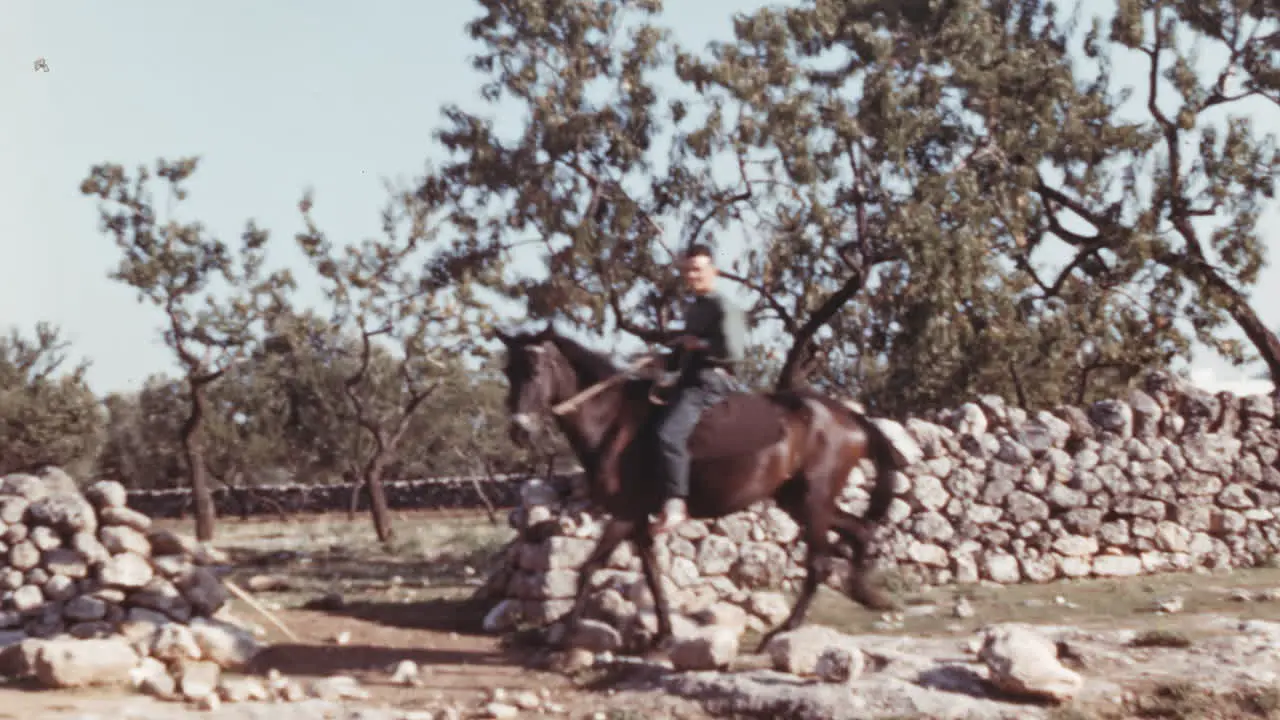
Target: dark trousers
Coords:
[[695, 395]]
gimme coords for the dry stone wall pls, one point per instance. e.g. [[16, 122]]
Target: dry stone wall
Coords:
[[1169, 478], [503, 491]]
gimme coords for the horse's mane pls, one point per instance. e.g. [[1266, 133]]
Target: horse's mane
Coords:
[[596, 363]]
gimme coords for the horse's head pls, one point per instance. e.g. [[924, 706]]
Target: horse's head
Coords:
[[531, 380]]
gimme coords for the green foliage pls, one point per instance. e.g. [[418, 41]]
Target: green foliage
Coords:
[[910, 182], [215, 299], [287, 419], [143, 448], [380, 385], [923, 201], [48, 414], [413, 324], [580, 73]]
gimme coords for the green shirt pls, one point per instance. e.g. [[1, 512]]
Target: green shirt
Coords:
[[718, 320]]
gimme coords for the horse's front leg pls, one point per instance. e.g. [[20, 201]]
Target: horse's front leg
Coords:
[[614, 532], [649, 564], [817, 569]]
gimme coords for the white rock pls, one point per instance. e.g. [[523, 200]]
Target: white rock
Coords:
[[1023, 662], [81, 663]]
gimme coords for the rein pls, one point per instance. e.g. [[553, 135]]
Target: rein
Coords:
[[576, 401], [659, 385]]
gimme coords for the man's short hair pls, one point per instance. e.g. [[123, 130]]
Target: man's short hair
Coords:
[[698, 250]]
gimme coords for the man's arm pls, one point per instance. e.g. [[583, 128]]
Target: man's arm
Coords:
[[734, 326]]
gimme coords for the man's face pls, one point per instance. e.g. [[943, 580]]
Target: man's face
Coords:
[[699, 274]]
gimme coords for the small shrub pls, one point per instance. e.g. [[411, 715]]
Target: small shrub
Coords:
[[1260, 701], [1161, 638]]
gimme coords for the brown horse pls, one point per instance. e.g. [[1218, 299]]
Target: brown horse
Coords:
[[797, 447]]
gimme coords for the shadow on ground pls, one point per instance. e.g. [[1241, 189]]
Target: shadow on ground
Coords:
[[322, 660], [461, 615]]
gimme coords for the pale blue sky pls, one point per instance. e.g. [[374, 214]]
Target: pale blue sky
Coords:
[[275, 96]]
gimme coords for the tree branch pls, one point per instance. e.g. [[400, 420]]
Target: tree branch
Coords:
[[790, 375]]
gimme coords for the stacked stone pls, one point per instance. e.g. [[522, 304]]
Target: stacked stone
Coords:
[[741, 560], [90, 588], [79, 563], [1170, 478]]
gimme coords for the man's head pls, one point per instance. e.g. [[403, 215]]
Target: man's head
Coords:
[[699, 269]]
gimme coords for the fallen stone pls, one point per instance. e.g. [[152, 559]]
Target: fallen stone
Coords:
[[197, 678], [81, 663], [232, 648], [709, 648], [1024, 662], [797, 652], [839, 664]]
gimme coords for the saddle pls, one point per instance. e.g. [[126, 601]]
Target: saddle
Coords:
[[741, 423]]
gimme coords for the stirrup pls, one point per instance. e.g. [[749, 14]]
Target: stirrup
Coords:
[[664, 381]]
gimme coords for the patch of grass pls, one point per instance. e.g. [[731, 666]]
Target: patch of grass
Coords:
[[1070, 712], [315, 555], [1178, 699], [1261, 701], [1086, 603], [1183, 700]]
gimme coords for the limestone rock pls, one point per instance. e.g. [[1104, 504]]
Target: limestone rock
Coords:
[[709, 648], [798, 651], [82, 663], [1023, 662]]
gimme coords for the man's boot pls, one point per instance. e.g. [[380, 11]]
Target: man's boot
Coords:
[[674, 512]]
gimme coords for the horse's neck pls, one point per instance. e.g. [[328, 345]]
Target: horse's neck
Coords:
[[589, 426]]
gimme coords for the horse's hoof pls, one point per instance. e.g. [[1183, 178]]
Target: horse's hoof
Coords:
[[571, 660], [656, 649], [872, 598], [524, 638], [764, 641], [655, 654]]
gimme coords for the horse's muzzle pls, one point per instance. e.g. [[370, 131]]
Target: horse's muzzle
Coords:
[[523, 427]]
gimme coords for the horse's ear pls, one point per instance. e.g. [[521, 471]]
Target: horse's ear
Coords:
[[547, 333], [504, 338]]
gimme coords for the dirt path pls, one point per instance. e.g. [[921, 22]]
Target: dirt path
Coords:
[[407, 603], [459, 667]]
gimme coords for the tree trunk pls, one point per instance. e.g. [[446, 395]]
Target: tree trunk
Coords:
[[378, 500], [356, 488], [1262, 337], [193, 451], [803, 348]]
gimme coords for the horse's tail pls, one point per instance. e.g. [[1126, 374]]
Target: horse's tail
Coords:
[[881, 452]]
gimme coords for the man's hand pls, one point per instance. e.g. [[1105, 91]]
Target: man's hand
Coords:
[[689, 342]]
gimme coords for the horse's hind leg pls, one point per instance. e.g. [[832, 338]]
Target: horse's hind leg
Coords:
[[614, 532], [857, 534], [817, 570]]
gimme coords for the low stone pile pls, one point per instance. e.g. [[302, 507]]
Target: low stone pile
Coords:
[[81, 563], [743, 559], [1171, 478], [93, 595]]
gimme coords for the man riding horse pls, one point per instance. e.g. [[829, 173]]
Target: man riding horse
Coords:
[[795, 447], [709, 352]]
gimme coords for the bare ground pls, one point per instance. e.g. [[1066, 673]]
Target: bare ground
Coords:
[[359, 609]]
